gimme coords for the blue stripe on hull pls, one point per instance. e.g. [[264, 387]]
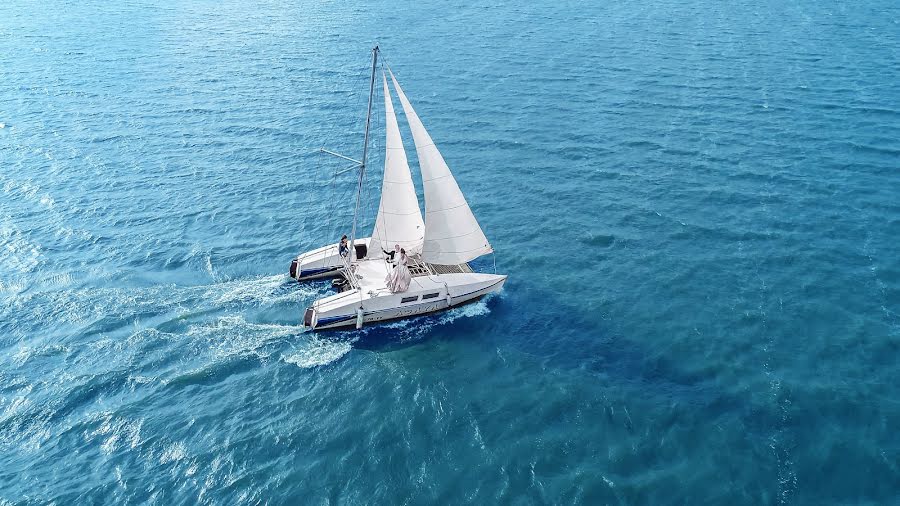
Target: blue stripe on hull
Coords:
[[334, 319]]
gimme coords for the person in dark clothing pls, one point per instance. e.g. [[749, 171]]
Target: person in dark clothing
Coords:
[[344, 248], [389, 255]]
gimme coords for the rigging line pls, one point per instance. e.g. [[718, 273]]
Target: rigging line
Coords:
[[331, 194], [381, 118], [367, 201], [384, 98], [368, 195], [337, 221], [338, 198], [362, 167], [342, 171]]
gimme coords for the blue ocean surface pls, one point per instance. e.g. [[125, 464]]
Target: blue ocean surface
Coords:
[[697, 204]]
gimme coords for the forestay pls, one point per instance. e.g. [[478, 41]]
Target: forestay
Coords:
[[452, 234], [399, 219]]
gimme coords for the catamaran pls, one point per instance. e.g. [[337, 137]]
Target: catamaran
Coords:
[[439, 247]]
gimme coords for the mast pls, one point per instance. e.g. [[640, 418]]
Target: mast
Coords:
[[362, 165]]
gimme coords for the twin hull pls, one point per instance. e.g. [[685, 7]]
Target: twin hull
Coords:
[[324, 262]]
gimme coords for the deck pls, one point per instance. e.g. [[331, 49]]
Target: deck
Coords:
[[419, 268]]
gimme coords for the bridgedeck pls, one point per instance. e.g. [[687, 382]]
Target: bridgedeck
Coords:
[[419, 268]]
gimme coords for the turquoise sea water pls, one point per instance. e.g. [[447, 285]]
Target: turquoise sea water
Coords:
[[698, 206]]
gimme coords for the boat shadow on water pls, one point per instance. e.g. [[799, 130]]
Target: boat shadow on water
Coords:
[[563, 336], [560, 336]]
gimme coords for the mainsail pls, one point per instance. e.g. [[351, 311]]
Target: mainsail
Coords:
[[399, 219], [452, 234]]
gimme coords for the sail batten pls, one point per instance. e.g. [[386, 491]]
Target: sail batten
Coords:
[[452, 234], [399, 219]]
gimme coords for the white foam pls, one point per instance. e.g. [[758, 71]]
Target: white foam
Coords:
[[264, 291], [118, 432], [317, 353], [26, 352], [412, 328], [209, 266], [232, 335], [84, 305], [15, 406], [174, 452], [18, 254]]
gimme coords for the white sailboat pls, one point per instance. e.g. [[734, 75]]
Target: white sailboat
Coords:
[[438, 247]]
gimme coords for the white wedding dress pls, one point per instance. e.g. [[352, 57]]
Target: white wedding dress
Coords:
[[398, 279]]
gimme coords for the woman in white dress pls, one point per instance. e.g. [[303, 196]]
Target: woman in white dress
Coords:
[[398, 279]]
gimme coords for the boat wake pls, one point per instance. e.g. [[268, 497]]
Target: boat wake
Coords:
[[229, 336], [317, 352], [186, 334], [260, 291]]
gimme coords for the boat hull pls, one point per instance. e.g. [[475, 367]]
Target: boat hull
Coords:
[[426, 295], [324, 262]]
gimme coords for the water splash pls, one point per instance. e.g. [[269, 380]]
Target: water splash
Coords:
[[317, 352], [229, 336], [415, 328], [262, 290]]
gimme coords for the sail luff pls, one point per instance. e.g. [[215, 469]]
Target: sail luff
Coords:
[[452, 234], [399, 218]]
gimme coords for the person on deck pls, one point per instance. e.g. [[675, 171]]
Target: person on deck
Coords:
[[398, 280], [390, 256], [344, 248]]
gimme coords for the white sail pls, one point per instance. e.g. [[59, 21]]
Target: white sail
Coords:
[[399, 219], [452, 234]]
